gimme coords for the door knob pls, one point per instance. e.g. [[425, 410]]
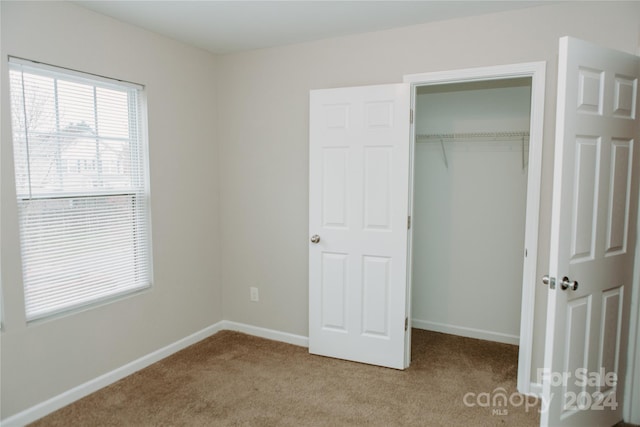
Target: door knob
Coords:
[[315, 238], [568, 284]]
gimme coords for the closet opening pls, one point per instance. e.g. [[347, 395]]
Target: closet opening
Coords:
[[470, 181]]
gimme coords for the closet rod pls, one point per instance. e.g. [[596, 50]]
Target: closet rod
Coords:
[[471, 135]]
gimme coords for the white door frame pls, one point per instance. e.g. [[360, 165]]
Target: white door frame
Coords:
[[536, 71]]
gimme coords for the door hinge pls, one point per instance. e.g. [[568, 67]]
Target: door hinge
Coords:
[[406, 323], [411, 117], [409, 222]]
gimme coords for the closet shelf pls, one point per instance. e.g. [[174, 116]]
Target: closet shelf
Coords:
[[477, 136], [490, 136]]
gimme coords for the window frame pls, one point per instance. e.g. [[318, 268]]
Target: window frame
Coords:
[[139, 194]]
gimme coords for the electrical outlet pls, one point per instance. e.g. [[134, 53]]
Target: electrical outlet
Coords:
[[253, 294]]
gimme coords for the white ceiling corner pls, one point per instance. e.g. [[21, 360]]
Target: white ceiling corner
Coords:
[[233, 26]]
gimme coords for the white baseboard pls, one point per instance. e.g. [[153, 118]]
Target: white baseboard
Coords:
[[44, 408], [270, 334], [466, 332], [535, 389]]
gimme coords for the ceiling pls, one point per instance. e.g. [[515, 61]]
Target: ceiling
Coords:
[[233, 26]]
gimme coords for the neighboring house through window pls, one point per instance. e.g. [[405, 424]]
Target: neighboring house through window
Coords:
[[82, 187]]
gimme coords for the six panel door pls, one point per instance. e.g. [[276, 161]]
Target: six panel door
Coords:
[[358, 210], [593, 233]]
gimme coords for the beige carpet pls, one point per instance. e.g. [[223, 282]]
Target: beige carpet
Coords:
[[235, 379]]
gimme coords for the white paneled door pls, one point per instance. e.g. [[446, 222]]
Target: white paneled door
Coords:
[[358, 211], [593, 231]]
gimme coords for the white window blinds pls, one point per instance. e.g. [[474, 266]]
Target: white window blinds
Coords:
[[81, 184]]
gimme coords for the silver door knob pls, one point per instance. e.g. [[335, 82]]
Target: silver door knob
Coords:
[[568, 284], [315, 238]]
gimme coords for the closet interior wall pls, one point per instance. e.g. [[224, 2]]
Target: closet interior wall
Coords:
[[470, 189]]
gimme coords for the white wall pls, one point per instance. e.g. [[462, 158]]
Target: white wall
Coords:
[[44, 359], [469, 213], [264, 133]]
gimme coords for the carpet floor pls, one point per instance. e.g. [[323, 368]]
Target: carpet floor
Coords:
[[233, 379]]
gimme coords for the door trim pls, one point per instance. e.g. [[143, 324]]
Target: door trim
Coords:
[[536, 71]]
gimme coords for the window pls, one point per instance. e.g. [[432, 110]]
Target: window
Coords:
[[82, 187]]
